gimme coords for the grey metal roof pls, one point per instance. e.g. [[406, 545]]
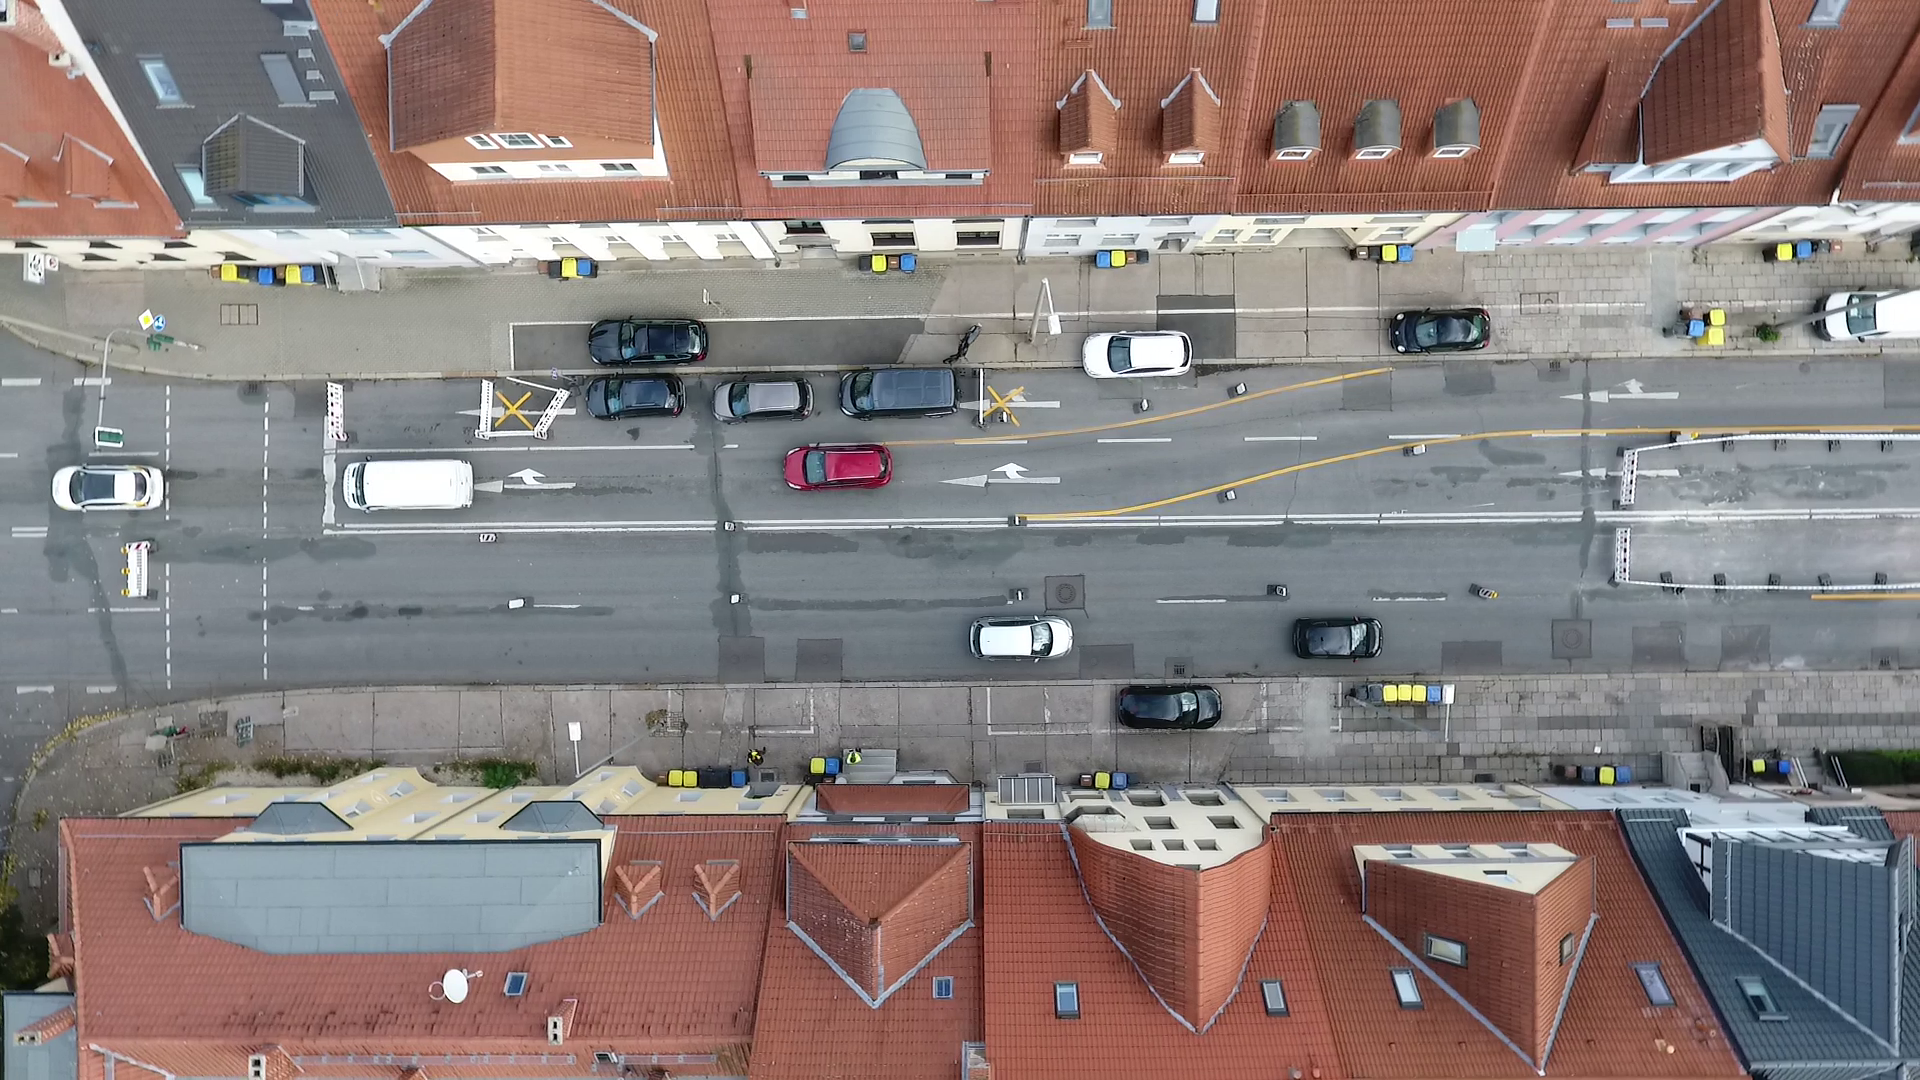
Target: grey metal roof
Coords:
[[297, 819], [1457, 124], [1865, 821], [391, 896], [553, 816], [247, 155], [874, 128], [56, 1059], [1297, 127], [212, 49], [1378, 125], [1815, 1041]]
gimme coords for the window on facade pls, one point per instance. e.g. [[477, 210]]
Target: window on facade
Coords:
[[943, 987], [160, 77], [1274, 996], [1499, 877], [516, 140], [892, 239], [1566, 948], [482, 142], [552, 168], [1453, 151], [1063, 241], [489, 170], [196, 185], [806, 228], [1066, 1000], [1829, 127], [1120, 240], [977, 238], [1406, 989], [285, 80], [1099, 14], [1206, 11], [560, 141], [1374, 153], [1398, 851], [1446, 950], [619, 166], [1186, 157], [273, 202], [1654, 984], [1759, 998], [1086, 157], [1826, 12]]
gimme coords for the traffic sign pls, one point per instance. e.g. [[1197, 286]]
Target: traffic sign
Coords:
[[151, 322], [108, 438]]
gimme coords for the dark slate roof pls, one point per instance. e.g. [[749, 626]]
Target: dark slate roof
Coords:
[[298, 818], [212, 48], [553, 816], [1815, 1041], [1865, 822], [247, 154]]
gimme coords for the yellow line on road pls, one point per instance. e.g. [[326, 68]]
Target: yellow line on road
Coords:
[[1394, 448], [1864, 596], [1138, 421]]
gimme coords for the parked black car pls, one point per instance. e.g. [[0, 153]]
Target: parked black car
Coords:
[[647, 341], [614, 398], [1440, 330], [1336, 639], [1189, 708], [885, 392]]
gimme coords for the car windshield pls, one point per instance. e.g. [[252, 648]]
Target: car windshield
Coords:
[[1042, 638], [816, 467], [1860, 320], [1336, 640], [1443, 330], [737, 398], [626, 335], [863, 391], [92, 487], [1120, 354]]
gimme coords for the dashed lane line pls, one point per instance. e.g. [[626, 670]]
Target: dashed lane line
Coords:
[[35, 381]]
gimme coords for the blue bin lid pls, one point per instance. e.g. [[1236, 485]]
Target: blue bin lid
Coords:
[[1406, 252], [264, 275], [1803, 248], [1103, 258]]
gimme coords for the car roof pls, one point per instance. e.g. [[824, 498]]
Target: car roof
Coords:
[[898, 388], [852, 462], [773, 396], [1157, 349], [1007, 639]]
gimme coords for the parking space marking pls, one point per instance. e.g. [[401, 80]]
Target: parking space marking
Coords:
[[1002, 403], [20, 382], [1133, 440], [33, 689], [1280, 438]]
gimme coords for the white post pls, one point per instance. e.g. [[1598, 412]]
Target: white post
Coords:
[[573, 736]]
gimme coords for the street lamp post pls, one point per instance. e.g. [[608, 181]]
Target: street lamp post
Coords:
[[100, 429]]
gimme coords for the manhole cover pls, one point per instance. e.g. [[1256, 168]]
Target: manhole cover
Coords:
[[1572, 639], [1066, 593]]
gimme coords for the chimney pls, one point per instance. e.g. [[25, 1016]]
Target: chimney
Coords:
[[716, 885], [560, 1021], [25, 22], [636, 886], [46, 1029], [163, 891], [59, 956], [973, 1062]]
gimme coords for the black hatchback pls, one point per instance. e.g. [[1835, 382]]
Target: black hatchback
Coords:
[[1186, 708], [1438, 330], [614, 398], [1336, 639], [647, 341]]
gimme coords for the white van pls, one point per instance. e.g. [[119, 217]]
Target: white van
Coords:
[[1893, 317], [408, 485]]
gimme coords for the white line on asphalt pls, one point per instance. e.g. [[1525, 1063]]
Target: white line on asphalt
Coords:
[[107, 689], [266, 446], [1133, 440], [9, 455], [125, 610], [1280, 438], [1411, 598], [33, 689], [166, 508], [1558, 435], [166, 608], [20, 382], [995, 442], [92, 380], [123, 453], [558, 607], [1421, 438], [29, 532], [9, 611], [731, 446], [1192, 600], [511, 449]]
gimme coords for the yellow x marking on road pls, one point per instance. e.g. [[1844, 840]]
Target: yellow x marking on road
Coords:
[[513, 409], [1003, 403]]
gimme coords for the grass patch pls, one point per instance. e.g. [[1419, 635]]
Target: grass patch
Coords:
[[202, 777], [323, 770], [494, 772]]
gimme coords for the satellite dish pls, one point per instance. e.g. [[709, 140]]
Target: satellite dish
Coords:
[[454, 984]]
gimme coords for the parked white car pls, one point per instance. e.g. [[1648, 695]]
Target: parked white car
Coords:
[[1137, 354], [1021, 637], [108, 487]]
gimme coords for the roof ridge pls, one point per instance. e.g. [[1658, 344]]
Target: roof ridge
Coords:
[[960, 851]]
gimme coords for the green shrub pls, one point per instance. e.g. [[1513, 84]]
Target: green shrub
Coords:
[[1767, 332], [323, 770], [500, 772], [1879, 768]]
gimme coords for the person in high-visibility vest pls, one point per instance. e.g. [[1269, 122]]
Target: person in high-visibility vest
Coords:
[[757, 755], [851, 757]]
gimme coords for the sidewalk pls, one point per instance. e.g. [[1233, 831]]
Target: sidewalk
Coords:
[[1284, 305], [1279, 731]]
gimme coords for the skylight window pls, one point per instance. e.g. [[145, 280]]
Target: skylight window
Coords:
[[943, 987], [1654, 984], [1406, 989], [1086, 157], [1458, 851], [1566, 948], [160, 77], [516, 984], [1500, 877], [1274, 996], [1066, 1001], [1206, 11], [482, 142], [516, 140], [1759, 998], [196, 183], [1399, 851], [1829, 127], [1827, 12], [1446, 950], [1099, 14]]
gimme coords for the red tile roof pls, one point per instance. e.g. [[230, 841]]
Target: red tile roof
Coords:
[[1607, 1030], [671, 982], [1189, 932], [1190, 119], [59, 145], [877, 912], [812, 1024], [1041, 930], [565, 67], [1720, 85], [692, 129], [963, 68], [1089, 117], [1881, 168], [867, 799]]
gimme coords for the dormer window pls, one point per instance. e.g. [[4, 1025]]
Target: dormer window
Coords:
[[1456, 129], [560, 141], [1086, 157], [516, 140], [1296, 131], [1376, 131], [1186, 157]]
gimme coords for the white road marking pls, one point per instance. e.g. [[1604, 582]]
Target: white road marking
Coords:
[[9, 611], [266, 445], [125, 610], [558, 607], [1192, 600], [1015, 402], [123, 453], [166, 607], [512, 449], [107, 689], [1280, 438], [499, 411], [1411, 598], [1634, 391], [29, 532], [1133, 440], [731, 446], [1422, 438], [92, 380], [33, 689], [9, 455], [20, 382], [993, 442], [1010, 473], [1601, 470]]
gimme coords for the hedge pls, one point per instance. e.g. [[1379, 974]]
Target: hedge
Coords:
[[1879, 768]]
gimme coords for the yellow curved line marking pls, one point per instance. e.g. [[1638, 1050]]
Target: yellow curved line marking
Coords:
[[1392, 448], [1137, 421]]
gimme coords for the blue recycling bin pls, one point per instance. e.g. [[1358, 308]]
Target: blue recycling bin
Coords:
[[739, 778], [1433, 694], [1120, 781], [263, 275], [1103, 259], [1803, 249], [1623, 774], [307, 275], [1786, 768], [833, 766], [908, 262], [1406, 253]]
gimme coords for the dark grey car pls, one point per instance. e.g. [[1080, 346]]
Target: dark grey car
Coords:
[[884, 392], [762, 399]]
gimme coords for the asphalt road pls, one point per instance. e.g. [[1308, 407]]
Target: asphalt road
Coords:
[[614, 548]]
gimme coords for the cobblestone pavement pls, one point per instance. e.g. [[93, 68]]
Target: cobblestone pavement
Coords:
[[1285, 305], [1297, 730]]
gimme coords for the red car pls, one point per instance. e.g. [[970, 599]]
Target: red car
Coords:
[[838, 465]]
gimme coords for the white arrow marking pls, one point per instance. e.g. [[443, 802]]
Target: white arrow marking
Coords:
[[1600, 470], [1010, 473], [531, 479], [1634, 390]]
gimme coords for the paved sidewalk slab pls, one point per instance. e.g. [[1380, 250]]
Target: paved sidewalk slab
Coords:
[[331, 721], [481, 727], [415, 720]]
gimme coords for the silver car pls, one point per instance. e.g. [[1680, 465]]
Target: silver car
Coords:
[[762, 399]]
